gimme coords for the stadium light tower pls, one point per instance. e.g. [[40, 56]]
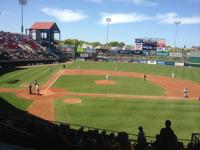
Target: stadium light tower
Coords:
[[22, 3], [108, 20], [176, 33]]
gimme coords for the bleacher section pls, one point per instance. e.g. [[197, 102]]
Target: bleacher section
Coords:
[[14, 46]]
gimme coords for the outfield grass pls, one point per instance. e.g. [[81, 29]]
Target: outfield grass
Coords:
[[14, 101], [128, 114], [26, 76], [124, 85], [180, 72], [43, 73]]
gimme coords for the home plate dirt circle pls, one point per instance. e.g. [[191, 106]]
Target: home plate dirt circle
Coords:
[[72, 101], [104, 82]]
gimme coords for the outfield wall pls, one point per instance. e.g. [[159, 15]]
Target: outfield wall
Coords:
[[168, 63]]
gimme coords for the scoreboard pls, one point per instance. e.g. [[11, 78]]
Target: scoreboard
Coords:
[[149, 44]]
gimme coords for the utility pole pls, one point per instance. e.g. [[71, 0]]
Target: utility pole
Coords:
[[22, 3], [108, 20], [176, 32]]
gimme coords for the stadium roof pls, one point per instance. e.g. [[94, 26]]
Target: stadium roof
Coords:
[[42, 25]]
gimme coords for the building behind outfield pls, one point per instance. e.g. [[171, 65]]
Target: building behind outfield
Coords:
[[194, 57]]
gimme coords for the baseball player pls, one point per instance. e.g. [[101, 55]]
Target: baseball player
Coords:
[[37, 90], [107, 77], [173, 75], [185, 92], [145, 76], [116, 69]]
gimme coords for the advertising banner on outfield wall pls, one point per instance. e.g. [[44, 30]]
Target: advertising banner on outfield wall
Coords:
[[179, 64], [162, 54], [169, 63], [175, 54], [152, 62], [139, 61], [135, 61], [125, 52], [143, 61], [80, 59], [136, 52], [160, 62], [80, 50], [161, 49]]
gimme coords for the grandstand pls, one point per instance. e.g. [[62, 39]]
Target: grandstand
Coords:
[[31, 132], [17, 48]]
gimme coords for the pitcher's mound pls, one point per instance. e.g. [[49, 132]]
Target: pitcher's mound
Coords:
[[72, 101], [105, 82]]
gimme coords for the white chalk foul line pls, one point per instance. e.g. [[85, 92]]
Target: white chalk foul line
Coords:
[[55, 78]]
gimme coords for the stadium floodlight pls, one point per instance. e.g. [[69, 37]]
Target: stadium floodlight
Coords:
[[22, 3], [176, 32], [108, 20]]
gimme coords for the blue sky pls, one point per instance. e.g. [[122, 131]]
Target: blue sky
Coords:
[[85, 19]]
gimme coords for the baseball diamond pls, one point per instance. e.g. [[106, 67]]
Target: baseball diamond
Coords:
[[123, 105]]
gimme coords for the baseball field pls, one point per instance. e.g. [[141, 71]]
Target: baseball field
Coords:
[[79, 94]]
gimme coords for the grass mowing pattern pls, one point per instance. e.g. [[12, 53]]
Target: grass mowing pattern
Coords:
[[180, 72], [15, 101], [124, 85], [127, 115], [26, 76]]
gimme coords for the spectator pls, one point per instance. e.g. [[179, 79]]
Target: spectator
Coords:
[[122, 142], [155, 144], [142, 143], [141, 134], [168, 140]]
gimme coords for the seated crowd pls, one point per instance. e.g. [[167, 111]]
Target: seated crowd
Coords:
[[15, 46], [46, 135]]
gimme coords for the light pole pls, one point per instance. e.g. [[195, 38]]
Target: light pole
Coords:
[[176, 33], [22, 3], [108, 20]]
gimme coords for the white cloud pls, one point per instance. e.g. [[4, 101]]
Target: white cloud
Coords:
[[117, 18], [167, 18], [170, 18], [138, 2], [65, 15], [142, 2], [95, 1]]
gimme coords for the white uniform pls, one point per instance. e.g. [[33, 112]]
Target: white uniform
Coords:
[[173, 75], [37, 89], [185, 92], [107, 77]]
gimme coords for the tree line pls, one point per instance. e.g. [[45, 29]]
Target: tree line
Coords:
[[77, 43]]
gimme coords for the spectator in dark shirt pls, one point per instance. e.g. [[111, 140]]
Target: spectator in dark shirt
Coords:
[[168, 140]]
